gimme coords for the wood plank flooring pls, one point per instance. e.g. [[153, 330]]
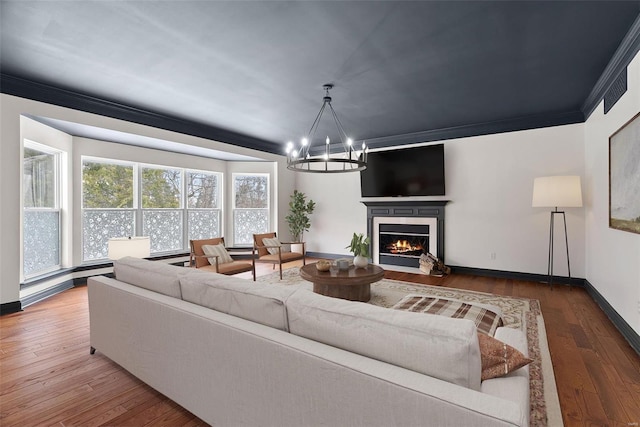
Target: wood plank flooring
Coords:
[[48, 378]]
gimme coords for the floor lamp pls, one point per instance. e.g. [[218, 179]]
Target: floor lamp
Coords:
[[554, 192]]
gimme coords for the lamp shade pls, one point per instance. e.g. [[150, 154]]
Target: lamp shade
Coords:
[[557, 191], [138, 247]]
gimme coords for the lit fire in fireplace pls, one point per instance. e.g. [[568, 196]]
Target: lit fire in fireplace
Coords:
[[403, 246]]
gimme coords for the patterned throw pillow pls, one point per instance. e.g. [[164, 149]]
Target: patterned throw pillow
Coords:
[[220, 251], [498, 358], [275, 242]]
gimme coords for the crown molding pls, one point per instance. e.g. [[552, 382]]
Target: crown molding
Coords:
[[478, 129], [42, 92], [625, 53], [24, 88]]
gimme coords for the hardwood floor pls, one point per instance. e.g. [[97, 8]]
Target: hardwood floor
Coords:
[[47, 376]]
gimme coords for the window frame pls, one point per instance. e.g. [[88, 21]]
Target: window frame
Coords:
[[134, 208], [138, 209], [57, 197], [234, 175], [219, 198]]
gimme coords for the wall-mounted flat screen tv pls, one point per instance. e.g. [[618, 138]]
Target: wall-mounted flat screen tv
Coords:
[[409, 172]]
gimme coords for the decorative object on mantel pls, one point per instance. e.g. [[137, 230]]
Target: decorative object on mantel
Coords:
[[432, 266], [120, 247], [359, 246], [298, 218], [307, 159], [624, 177], [554, 191]]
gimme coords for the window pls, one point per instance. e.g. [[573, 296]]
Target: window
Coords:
[[162, 219], [41, 209], [203, 204], [108, 205], [251, 207], [170, 205]]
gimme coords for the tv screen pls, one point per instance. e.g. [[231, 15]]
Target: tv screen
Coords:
[[409, 172]]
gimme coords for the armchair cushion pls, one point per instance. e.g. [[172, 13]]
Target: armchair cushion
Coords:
[[259, 244], [217, 250], [285, 256], [196, 250], [233, 267], [275, 242]]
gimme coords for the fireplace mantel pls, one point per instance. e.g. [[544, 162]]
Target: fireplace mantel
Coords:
[[409, 209]]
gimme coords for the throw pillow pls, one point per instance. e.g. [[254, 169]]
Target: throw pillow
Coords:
[[220, 251], [275, 242], [498, 358]]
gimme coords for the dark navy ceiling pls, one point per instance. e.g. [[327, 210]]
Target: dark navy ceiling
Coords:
[[251, 73]]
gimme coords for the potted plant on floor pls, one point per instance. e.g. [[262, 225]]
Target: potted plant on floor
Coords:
[[359, 247], [298, 218]]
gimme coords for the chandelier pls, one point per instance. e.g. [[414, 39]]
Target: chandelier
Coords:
[[322, 159]]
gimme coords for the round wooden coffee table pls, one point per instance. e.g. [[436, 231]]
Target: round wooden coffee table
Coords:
[[353, 284]]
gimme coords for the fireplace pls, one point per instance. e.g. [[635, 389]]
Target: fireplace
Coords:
[[401, 231], [402, 244]]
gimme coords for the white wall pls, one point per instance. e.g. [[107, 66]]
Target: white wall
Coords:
[[338, 212], [11, 110], [612, 256], [489, 182]]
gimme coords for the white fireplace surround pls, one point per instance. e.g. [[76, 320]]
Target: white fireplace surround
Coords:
[[433, 237]]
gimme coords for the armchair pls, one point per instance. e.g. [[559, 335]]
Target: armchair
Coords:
[[211, 255], [272, 251]]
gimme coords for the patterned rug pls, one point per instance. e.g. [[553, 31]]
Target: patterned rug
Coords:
[[519, 313]]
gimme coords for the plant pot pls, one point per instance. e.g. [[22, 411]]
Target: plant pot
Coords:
[[360, 261]]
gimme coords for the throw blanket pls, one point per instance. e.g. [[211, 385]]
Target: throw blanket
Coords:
[[486, 320]]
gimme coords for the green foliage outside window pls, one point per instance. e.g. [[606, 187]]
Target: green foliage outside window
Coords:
[[107, 186], [161, 188]]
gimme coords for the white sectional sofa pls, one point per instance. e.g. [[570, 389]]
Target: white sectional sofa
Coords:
[[239, 353]]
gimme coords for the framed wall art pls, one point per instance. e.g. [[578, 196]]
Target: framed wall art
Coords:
[[624, 177]]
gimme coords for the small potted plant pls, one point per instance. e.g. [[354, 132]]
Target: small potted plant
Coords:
[[359, 247]]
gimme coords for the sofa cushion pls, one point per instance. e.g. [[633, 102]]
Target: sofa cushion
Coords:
[[260, 303], [152, 275], [437, 346], [499, 358], [217, 250], [515, 385]]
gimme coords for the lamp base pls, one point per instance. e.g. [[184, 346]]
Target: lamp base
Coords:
[[566, 241]]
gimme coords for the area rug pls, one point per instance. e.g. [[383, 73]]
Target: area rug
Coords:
[[517, 313]]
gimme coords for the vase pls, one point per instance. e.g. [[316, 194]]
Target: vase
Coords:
[[360, 261]]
